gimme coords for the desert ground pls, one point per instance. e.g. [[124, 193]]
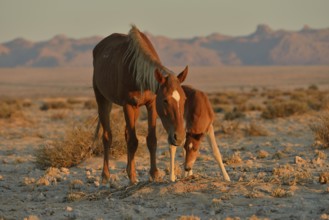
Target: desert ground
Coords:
[[268, 122]]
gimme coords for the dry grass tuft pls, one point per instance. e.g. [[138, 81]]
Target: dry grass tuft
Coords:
[[262, 154], [289, 175], [230, 127], [72, 150], [58, 116], [321, 128], [75, 196], [281, 193], [234, 159], [255, 129]]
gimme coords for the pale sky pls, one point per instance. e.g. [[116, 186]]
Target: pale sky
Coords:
[[42, 19]]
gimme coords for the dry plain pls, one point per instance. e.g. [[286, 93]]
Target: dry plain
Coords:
[[277, 167]]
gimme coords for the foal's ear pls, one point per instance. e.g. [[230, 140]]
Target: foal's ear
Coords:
[[159, 77], [183, 74]]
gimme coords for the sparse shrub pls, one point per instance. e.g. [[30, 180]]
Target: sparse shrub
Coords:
[[75, 196], [72, 150], [254, 129], [58, 115], [90, 104], [10, 108], [230, 127], [313, 87], [234, 115], [284, 109], [280, 193], [289, 175], [54, 105], [321, 129], [73, 101], [234, 159]]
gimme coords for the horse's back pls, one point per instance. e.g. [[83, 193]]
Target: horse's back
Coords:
[[198, 111], [109, 68]]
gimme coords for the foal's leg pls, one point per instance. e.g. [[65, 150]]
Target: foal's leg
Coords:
[[218, 157], [131, 114], [104, 110], [152, 139]]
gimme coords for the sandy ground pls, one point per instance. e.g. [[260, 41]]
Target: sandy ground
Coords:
[[275, 176]]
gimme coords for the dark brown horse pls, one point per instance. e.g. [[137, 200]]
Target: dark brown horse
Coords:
[[128, 72], [199, 118]]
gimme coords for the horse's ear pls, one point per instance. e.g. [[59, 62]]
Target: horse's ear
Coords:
[[159, 77], [183, 74]]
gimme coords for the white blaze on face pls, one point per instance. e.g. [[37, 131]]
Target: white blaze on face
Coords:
[[176, 96], [190, 146]]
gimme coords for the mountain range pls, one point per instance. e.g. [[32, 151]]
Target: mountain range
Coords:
[[264, 46]]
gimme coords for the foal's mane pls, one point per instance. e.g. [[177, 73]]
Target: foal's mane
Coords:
[[143, 60]]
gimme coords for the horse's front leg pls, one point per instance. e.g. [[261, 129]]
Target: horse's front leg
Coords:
[[151, 139], [172, 151], [131, 114]]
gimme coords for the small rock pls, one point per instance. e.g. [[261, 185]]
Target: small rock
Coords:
[[65, 170], [43, 182], [88, 173], [41, 197], [299, 160], [324, 178], [96, 183], [1, 178], [28, 180], [69, 209]]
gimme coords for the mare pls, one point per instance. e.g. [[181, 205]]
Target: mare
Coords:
[[199, 117], [129, 73]]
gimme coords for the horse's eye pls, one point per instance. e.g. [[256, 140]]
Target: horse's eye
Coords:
[[165, 101]]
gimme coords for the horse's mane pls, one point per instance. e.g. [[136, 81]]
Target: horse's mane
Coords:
[[143, 60]]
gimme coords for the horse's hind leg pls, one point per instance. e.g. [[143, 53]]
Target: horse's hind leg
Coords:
[[151, 139], [104, 110], [131, 114]]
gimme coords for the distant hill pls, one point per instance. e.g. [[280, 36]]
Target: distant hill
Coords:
[[263, 47]]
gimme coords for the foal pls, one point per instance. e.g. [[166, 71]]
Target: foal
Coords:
[[199, 118]]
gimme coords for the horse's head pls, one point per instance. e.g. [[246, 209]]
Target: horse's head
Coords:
[[170, 101], [191, 146]]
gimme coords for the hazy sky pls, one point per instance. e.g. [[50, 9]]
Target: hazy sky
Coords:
[[42, 19]]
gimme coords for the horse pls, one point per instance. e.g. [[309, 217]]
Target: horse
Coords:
[[129, 73], [199, 117]]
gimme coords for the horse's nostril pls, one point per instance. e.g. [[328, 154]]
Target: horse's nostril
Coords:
[[175, 137]]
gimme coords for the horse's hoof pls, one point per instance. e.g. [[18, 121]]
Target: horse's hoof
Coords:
[[156, 176]]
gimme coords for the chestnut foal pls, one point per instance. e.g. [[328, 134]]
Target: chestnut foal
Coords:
[[199, 117]]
